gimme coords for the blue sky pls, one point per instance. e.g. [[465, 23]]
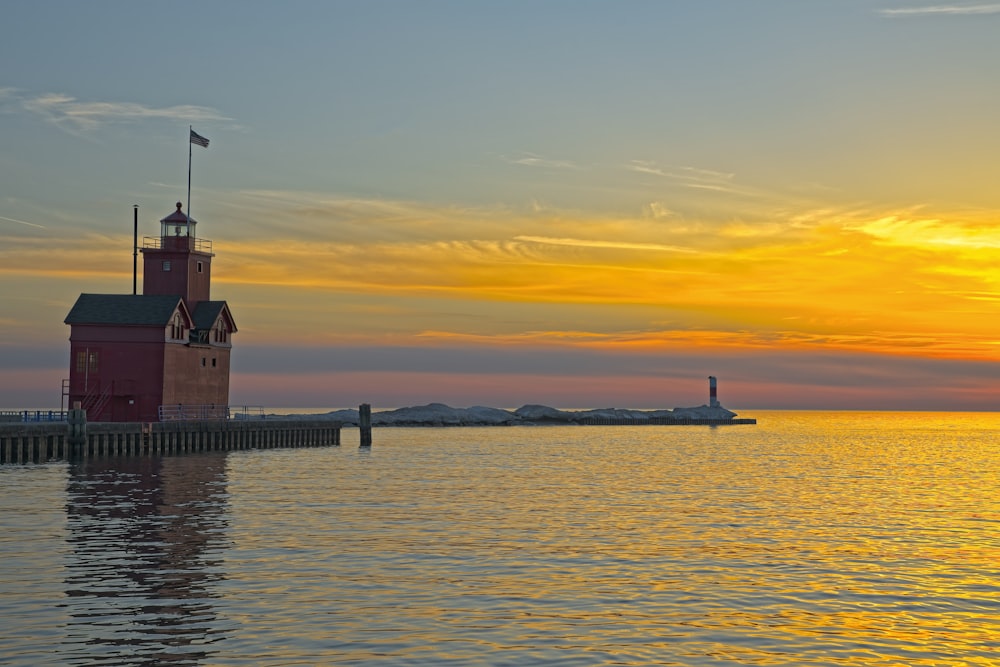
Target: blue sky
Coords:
[[588, 202]]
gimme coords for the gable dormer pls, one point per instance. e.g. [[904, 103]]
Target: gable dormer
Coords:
[[179, 324], [214, 323]]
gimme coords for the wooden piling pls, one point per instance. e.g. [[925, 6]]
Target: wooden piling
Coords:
[[76, 422], [365, 424]]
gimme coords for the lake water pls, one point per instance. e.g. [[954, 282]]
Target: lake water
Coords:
[[808, 539]]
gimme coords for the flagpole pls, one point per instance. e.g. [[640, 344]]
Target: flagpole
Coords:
[[190, 130]]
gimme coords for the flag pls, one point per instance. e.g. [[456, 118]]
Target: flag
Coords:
[[198, 139]]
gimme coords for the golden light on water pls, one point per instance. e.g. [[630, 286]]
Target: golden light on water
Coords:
[[828, 539]]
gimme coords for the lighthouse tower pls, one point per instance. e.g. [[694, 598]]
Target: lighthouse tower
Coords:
[[713, 392], [161, 355], [178, 262]]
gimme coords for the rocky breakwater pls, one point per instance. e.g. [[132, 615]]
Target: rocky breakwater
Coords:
[[439, 414]]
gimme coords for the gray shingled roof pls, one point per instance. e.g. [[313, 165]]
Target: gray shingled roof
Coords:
[[130, 309], [206, 312]]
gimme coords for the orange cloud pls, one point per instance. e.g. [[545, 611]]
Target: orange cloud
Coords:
[[316, 269]]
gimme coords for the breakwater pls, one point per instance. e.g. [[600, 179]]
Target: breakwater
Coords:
[[41, 442], [660, 421], [439, 414]]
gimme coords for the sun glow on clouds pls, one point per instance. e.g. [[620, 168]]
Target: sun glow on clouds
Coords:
[[895, 282], [325, 271]]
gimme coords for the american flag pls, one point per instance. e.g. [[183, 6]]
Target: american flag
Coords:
[[198, 139]]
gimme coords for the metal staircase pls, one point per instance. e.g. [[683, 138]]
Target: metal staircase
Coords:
[[95, 401]]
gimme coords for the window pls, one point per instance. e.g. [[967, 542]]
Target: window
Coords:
[[200, 267], [177, 328], [166, 265], [213, 362], [86, 361], [203, 361]]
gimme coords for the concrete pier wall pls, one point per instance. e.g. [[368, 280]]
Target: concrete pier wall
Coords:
[[37, 443]]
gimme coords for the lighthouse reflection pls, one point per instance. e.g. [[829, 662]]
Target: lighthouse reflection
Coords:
[[147, 536]]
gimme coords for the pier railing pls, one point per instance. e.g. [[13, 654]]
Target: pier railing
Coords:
[[246, 412], [167, 413], [14, 416], [187, 413]]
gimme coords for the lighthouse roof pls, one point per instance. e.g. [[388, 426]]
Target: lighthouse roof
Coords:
[[179, 216], [207, 312], [125, 309]]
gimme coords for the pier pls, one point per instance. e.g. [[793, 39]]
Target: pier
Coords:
[[40, 442]]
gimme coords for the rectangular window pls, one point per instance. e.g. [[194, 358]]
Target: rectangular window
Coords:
[[213, 362], [81, 362], [166, 265], [93, 361], [199, 267]]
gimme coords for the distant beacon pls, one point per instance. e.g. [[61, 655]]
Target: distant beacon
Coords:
[[713, 392]]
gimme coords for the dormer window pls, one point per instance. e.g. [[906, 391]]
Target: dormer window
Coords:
[[177, 328]]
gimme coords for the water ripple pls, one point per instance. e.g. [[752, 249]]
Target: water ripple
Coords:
[[811, 539]]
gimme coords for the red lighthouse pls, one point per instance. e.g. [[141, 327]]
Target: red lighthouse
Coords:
[[162, 353]]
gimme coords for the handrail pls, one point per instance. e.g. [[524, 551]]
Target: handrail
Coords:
[[33, 415], [171, 413], [197, 244], [247, 412]]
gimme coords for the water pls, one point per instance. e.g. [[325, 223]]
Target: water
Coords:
[[809, 539]]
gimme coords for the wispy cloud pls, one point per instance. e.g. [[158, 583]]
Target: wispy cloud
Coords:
[[658, 210], [72, 114], [617, 245], [696, 178], [646, 167], [942, 10], [22, 222], [532, 160], [686, 173]]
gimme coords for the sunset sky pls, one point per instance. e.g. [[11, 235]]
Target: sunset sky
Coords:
[[567, 202]]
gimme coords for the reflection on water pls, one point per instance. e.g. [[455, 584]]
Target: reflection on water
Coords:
[[810, 539], [147, 537]]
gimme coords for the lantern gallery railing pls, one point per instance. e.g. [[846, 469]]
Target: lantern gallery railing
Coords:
[[157, 243]]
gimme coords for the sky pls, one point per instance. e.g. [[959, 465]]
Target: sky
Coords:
[[574, 203]]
